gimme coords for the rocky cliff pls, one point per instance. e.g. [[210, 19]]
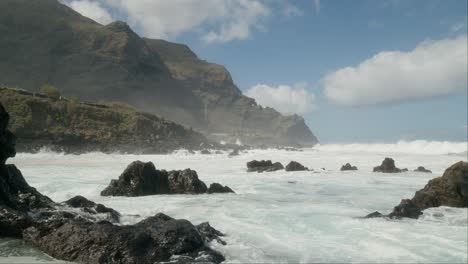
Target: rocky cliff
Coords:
[[44, 41], [72, 126]]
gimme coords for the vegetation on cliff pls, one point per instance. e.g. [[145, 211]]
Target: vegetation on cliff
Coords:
[[40, 121]]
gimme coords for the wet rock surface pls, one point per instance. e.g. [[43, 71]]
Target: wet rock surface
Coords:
[[451, 189], [142, 178], [348, 167], [263, 166], [387, 166], [295, 166]]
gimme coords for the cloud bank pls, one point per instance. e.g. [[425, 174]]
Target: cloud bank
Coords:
[[286, 99], [433, 68], [91, 9], [215, 21]]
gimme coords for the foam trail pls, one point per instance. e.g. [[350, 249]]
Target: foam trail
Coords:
[[402, 146]]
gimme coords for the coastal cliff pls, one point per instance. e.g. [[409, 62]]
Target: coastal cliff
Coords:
[[71, 126], [44, 41]]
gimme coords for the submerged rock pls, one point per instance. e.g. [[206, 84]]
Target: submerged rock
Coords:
[[263, 165], [348, 167], [205, 152], [387, 166], [140, 179], [422, 169], [295, 166], [234, 152], [451, 189], [374, 215], [218, 188]]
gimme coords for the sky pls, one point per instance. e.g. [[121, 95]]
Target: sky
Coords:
[[357, 71]]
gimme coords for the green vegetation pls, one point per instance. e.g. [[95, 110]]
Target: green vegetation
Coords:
[[73, 126], [50, 90]]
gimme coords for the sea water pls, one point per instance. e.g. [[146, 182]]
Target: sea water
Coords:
[[295, 217]]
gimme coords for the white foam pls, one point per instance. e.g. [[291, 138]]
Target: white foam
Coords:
[[408, 147], [281, 216]]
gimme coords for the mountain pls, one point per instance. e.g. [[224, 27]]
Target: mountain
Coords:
[[75, 127], [44, 41]]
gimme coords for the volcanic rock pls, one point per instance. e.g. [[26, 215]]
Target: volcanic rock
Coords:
[[387, 166], [295, 166], [348, 167], [263, 165]]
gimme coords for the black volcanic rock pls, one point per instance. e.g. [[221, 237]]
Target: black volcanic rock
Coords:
[[140, 179], [93, 208], [374, 215], [185, 181], [422, 169], [348, 167], [209, 233], [295, 166], [387, 166], [152, 240], [451, 189], [218, 188], [94, 62], [263, 165], [7, 139]]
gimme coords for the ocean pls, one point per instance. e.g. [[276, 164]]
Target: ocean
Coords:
[[279, 217]]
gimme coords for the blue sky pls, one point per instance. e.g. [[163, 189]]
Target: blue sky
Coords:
[[408, 58]]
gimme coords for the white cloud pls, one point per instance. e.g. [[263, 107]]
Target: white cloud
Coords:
[[91, 9], [433, 68], [317, 6], [215, 21], [286, 99]]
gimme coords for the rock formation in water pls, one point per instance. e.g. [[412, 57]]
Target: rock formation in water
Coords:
[[422, 169], [348, 167], [142, 178], [295, 166], [94, 62], [80, 230], [388, 166], [451, 189], [263, 165], [70, 126]]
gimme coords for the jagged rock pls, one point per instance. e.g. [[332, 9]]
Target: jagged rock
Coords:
[[93, 208], [295, 166], [407, 208], [263, 165], [422, 169], [451, 189], [154, 239], [348, 167], [209, 233], [205, 152], [218, 188], [7, 139], [185, 181], [387, 166], [140, 179], [375, 214]]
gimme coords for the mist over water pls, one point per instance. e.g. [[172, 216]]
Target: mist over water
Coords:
[[280, 216]]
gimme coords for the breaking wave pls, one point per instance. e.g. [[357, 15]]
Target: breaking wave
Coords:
[[402, 146]]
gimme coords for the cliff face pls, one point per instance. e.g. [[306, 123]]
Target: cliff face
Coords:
[[70, 126], [44, 41]]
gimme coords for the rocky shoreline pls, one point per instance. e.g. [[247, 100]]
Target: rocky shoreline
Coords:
[[82, 231]]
